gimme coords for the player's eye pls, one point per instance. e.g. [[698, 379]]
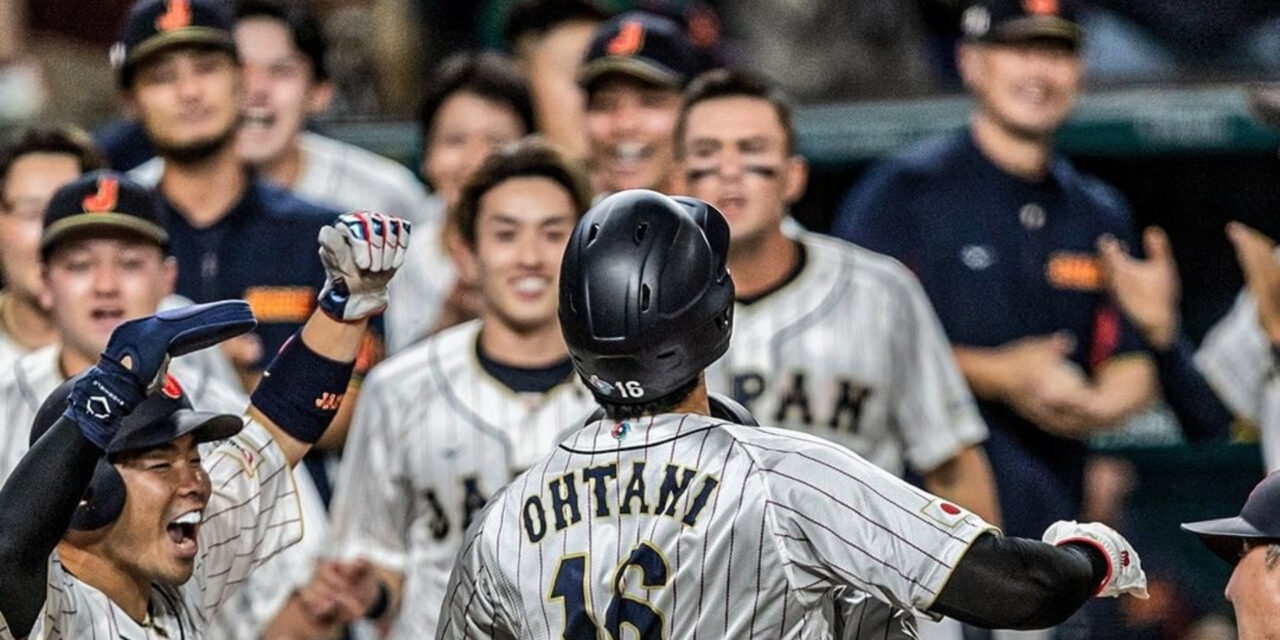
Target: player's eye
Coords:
[[158, 466]]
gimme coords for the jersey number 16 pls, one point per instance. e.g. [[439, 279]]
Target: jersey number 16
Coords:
[[570, 587]]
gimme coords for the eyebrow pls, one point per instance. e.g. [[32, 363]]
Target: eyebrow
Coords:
[[560, 218]]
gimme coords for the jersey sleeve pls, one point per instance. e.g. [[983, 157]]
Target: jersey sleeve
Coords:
[[875, 213], [373, 503], [840, 521], [1235, 357], [470, 608], [933, 408], [252, 515]]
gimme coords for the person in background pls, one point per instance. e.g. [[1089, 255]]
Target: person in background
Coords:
[[34, 163], [1001, 231], [475, 102], [634, 71], [550, 40]]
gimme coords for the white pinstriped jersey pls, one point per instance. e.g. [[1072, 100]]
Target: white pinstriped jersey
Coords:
[[1236, 359], [852, 351], [681, 526], [434, 436], [252, 514]]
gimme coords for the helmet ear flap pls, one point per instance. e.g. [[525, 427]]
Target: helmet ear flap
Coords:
[[103, 501]]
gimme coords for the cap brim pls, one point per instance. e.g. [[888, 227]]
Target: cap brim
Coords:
[[1224, 535], [1033, 27], [108, 221], [204, 426], [639, 68], [194, 35]]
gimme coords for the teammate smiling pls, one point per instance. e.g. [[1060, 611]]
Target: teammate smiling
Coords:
[[446, 423]]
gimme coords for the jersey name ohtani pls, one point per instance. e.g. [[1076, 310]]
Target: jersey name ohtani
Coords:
[[645, 490]]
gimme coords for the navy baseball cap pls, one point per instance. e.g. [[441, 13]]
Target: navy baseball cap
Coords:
[[164, 416], [98, 201], [152, 26], [1010, 21], [1259, 519], [642, 45]]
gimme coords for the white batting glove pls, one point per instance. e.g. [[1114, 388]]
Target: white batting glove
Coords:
[[1124, 569], [361, 250]]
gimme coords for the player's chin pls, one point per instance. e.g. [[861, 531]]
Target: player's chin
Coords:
[[176, 571]]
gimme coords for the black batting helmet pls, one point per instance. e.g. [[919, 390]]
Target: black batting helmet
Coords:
[[646, 302], [164, 416]]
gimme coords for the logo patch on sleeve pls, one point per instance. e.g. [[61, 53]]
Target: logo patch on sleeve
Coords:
[[944, 513]]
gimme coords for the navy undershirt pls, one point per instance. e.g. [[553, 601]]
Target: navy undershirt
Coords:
[[521, 380]]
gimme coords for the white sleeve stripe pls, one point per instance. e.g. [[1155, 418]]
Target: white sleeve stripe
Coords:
[[856, 460], [851, 544], [252, 552], [872, 521], [249, 500]]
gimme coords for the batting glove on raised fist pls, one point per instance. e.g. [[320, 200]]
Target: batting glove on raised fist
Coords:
[[1124, 569], [361, 250]]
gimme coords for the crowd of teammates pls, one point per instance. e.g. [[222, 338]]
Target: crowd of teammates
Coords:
[[979, 320]]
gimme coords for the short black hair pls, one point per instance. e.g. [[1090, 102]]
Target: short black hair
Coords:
[[529, 157], [732, 83], [487, 74], [537, 17], [304, 28], [66, 139]]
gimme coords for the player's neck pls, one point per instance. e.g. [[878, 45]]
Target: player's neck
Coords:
[[762, 265], [25, 322], [696, 402], [1025, 157], [95, 569], [527, 349], [286, 168], [205, 191]]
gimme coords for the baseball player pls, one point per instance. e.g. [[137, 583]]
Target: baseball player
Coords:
[[895, 391], [103, 258], [669, 522], [150, 539], [443, 425]]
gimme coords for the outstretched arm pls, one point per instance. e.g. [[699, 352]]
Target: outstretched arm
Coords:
[[1016, 583]]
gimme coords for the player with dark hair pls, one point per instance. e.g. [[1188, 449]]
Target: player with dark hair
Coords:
[[660, 517], [34, 163], [444, 424], [114, 525]]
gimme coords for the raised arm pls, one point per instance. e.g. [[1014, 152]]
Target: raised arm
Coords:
[[304, 386]]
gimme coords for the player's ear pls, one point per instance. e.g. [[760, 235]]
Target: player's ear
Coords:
[[796, 177], [967, 62], [170, 279], [319, 97]]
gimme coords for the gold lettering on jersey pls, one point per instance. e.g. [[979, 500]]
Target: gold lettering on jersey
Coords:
[[635, 489], [682, 494], [535, 519], [564, 499]]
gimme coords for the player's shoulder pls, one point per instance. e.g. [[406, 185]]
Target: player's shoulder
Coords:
[[773, 447], [1101, 196], [419, 366], [927, 159], [361, 165], [866, 268]]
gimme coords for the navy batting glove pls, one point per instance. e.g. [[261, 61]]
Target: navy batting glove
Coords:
[[137, 356]]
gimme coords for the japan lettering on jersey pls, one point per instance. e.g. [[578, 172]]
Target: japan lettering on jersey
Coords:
[[680, 525], [434, 436], [851, 350], [251, 516]]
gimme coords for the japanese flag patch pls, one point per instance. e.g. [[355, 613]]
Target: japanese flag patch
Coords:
[[944, 513]]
